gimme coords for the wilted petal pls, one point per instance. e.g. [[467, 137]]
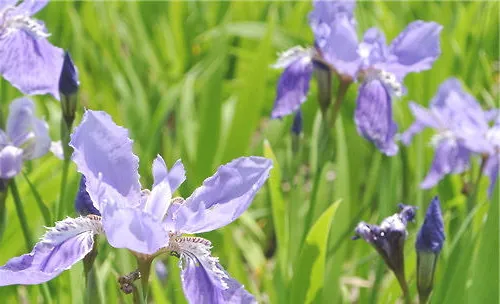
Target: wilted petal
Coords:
[[25, 130], [205, 281], [30, 63], [415, 49], [175, 177], [11, 161], [430, 237], [60, 248], [224, 196], [293, 86], [83, 202], [373, 116], [103, 153], [449, 157]]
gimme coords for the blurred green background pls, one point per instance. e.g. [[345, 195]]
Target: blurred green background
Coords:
[[192, 80]]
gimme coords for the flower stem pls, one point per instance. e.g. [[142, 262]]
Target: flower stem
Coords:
[[342, 90], [65, 137], [404, 287], [3, 211], [21, 215], [472, 198], [144, 265], [91, 295]]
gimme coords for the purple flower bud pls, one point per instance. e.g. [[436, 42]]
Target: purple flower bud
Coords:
[[297, 123], [68, 81], [431, 237]]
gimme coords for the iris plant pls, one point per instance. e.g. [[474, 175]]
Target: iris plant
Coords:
[[27, 59], [379, 67], [148, 223], [462, 130]]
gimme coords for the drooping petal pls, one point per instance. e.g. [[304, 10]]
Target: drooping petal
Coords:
[[373, 116], [103, 153], [60, 248], [176, 176], [449, 157], [83, 202], [25, 130], [224, 196], [415, 49], [430, 237], [11, 161], [293, 86], [205, 281], [30, 63]]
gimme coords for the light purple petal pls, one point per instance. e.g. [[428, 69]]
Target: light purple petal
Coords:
[[11, 161], [373, 48], [449, 157], [293, 87], [32, 6], [373, 116], [341, 46], [103, 153], [31, 64], [134, 228], [423, 118], [415, 49], [175, 177], [224, 196], [27, 131], [5, 3], [59, 249], [202, 283]]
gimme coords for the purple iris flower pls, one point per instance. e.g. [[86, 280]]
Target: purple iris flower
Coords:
[[27, 60], [25, 137], [381, 68], [492, 165], [461, 126], [146, 222]]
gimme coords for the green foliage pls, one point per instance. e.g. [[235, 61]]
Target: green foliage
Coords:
[[192, 80]]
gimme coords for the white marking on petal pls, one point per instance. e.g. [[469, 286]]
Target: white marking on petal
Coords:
[[71, 227], [10, 23], [293, 54], [445, 135]]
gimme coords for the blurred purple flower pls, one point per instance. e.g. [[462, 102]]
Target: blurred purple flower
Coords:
[[430, 237], [461, 126], [492, 165], [381, 68], [27, 60], [26, 137], [150, 222]]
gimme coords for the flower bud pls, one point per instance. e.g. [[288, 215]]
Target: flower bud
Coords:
[[83, 203], [68, 87]]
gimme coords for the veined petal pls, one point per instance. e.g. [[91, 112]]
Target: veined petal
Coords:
[[103, 153], [224, 196], [205, 281], [175, 177], [60, 248], [373, 116], [30, 63], [11, 161], [415, 49], [293, 86], [27, 131], [449, 157]]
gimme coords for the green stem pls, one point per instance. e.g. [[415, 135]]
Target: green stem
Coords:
[[3, 211], [92, 295], [21, 215], [144, 265], [342, 90], [404, 288], [472, 198], [65, 137]]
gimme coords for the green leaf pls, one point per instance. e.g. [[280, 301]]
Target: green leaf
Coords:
[[308, 278]]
